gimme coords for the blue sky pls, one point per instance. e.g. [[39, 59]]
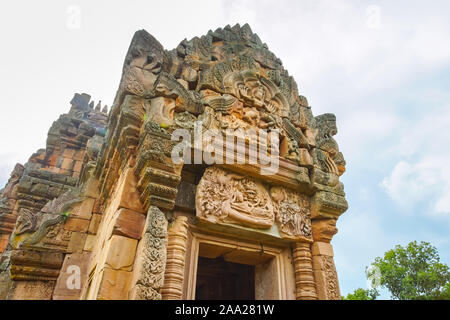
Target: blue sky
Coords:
[[383, 67]]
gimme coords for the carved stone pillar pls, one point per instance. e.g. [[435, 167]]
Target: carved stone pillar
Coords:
[[176, 254], [304, 276], [325, 272], [151, 260]]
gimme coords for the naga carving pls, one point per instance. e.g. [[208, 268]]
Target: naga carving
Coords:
[[329, 200], [44, 230]]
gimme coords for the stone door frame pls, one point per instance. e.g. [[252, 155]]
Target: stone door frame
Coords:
[[274, 272]]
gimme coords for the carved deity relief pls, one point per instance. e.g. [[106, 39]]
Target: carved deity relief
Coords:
[[327, 155], [227, 197], [262, 103], [292, 211], [143, 62], [329, 164]]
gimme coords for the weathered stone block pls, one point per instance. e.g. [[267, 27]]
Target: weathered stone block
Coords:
[[69, 153], [84, 210], [322, 248], [91, 188], [67, 164], [129, 224], [4, 238], [95, 222], [90, 242], [79, 155], [78, 165], [77, 224], [96, 208], [77, 241], [40, 189], [121, 253], [115, 285], [130, 197]]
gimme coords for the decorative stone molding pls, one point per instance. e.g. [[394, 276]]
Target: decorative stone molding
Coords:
[[304, 275], [176, 257], [35, 265], [158, 177]]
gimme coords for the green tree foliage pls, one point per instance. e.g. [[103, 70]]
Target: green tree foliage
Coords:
[[361, 294], [413, 273]]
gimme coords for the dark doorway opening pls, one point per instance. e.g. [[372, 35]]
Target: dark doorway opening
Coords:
[[218, 279]]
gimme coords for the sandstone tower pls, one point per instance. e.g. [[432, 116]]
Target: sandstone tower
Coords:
[[105, 212]]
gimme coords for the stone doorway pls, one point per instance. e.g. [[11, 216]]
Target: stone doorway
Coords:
[[218, 279], [223, 268]]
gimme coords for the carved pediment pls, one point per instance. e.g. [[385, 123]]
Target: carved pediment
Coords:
[[242, 79]]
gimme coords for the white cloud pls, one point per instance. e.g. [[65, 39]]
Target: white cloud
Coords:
[[422, 175], [409, 184], [425, 181], [361, 238]]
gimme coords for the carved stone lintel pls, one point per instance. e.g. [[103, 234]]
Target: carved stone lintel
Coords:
[[227, 197], [304, 276], [176, 255]]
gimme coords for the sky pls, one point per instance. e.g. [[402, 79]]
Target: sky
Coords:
[[383, 67]]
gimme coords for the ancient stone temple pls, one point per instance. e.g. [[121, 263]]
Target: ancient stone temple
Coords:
[[209, 178]]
